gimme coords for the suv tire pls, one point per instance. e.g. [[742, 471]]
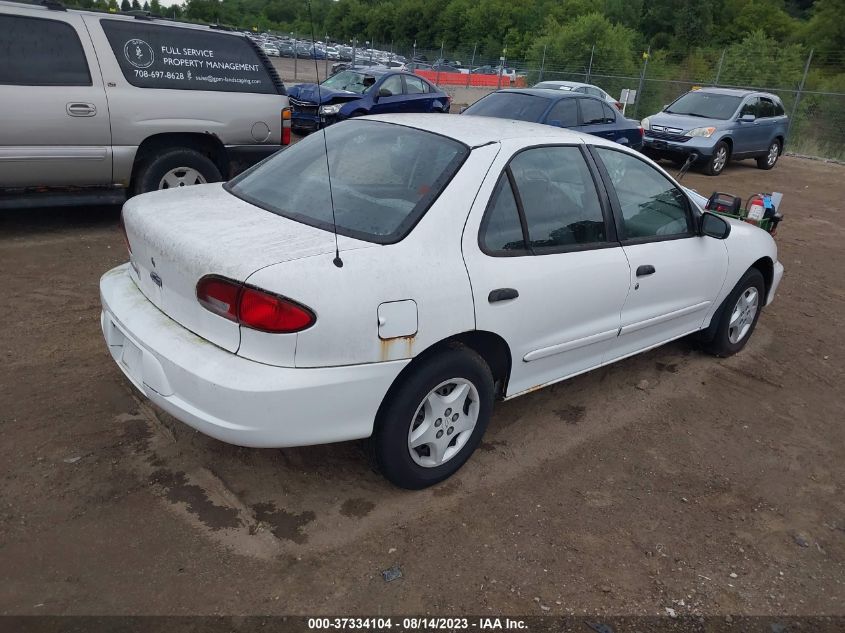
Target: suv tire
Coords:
[[771, 158], [421, 402], [717, 162], [175, 167]]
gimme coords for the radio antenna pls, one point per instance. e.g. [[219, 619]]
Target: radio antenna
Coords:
[[337, 261]]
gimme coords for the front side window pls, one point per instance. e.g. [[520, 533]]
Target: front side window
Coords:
[[39, 52], [652, 206], [751, 107], [558, 198], [384, 177]]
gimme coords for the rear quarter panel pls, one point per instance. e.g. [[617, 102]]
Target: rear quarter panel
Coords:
[[426, 267]]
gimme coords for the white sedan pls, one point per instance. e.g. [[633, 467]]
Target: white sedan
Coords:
[[446, 263]]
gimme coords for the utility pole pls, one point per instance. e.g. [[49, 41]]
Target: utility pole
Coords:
[[439, 63], [719, 70], [646, 55], [590, 67], [543, 63], [326, 50], [295, 56], [414, 56], [798, 94], [471, 64], [354, 49]]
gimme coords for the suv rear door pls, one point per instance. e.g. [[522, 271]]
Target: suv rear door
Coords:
[[54, 129]]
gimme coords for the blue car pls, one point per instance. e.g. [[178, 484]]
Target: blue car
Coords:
[[719, 125], [360, 91], [572, 110]]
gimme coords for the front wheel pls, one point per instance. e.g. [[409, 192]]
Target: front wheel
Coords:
[[432, 422], [738, 316], [768, 161], [717, 162]]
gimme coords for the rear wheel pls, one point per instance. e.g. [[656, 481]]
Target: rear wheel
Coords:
[[768, 161], [175, 168], [717, 162], [738, 316], [429, 426]]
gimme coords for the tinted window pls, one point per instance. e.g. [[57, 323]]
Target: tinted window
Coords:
[[709, 105], [155, 56], [383, 178], [591, 111], [415, 85], [766, 108], [393, 84], [651, 204], [565, 112], [558, 197], [510, 105], [609, 113], [501, 231], [37, 52], [595, 92], [779, 108], [750, 107]]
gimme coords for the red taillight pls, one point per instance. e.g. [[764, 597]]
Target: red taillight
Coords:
[[125, 235], [251, 307], [286, 126]]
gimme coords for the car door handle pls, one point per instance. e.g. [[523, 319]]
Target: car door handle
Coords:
[[502, 294], [643, 271], [81, 109]]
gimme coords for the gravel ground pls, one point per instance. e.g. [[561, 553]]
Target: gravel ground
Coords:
[[669, 480]]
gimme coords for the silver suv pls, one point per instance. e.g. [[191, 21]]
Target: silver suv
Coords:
[[99, 106]]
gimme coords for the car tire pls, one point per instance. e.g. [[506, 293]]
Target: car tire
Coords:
[[176, 167], [771, 158], [738, 315], [718, 160], [419, 408]]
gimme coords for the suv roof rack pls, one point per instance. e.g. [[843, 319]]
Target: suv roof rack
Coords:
[[53, 5]]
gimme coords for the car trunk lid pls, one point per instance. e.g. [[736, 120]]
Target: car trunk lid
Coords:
[[179, 236]]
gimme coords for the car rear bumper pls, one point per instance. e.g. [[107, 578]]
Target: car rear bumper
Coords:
[[228, 397]]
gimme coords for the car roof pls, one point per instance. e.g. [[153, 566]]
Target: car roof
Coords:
[[574, 84], [548, 93], [736, 92], [481, 130]]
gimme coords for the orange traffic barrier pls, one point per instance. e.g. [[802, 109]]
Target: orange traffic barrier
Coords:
[[445, 78]]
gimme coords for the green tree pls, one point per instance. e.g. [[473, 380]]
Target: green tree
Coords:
[[146, 6], [125, 6], [136, 6], [826, 31], [155, 7]]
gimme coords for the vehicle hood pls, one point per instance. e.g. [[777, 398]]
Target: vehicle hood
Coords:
[[309, 92], [683, 122]]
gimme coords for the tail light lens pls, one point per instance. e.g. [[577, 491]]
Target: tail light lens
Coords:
[[252, 307], [125, 235], [286, 126], [642, 131]]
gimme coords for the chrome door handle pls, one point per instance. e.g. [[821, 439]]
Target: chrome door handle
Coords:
[[81, 109]]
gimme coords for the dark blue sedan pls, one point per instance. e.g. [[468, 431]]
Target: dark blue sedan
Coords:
[[360, 91], [574, 111]]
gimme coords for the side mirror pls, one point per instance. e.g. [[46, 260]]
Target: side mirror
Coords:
[[384, 92], [714, 226], [747, 118]]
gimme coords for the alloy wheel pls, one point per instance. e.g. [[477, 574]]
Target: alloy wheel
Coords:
[[742, 316]]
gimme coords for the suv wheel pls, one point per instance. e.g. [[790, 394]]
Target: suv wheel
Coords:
[[768, 161], [717, 162], [179, 167], [429, 426]]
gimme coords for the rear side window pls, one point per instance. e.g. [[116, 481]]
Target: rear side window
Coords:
[[564, 113], [779, 109], [766, 108], [155, 56], [609, 114], [501, 231], [415, 85], [39, 52], [591, 111]]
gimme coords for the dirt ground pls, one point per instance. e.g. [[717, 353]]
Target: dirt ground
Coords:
[[672, 479]]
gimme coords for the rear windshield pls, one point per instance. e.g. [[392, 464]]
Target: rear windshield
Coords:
[[707, 105], [510, 105], [383, 179], [156, 56]]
